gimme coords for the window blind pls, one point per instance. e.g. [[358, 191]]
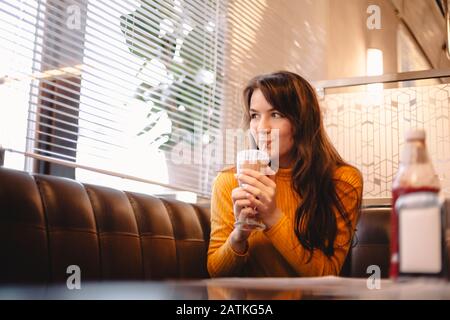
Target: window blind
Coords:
[[133, 87]]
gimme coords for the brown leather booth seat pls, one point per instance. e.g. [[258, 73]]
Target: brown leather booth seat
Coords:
[[372, 243], [49, 223]]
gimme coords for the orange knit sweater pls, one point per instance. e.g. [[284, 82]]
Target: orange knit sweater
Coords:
[[277, 252]]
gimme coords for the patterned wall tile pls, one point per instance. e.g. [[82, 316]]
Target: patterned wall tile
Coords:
[[368, 129]]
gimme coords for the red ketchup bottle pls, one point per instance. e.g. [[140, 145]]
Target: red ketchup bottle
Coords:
[[415, 183]]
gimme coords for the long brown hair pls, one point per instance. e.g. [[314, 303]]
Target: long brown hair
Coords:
[[315, 158]]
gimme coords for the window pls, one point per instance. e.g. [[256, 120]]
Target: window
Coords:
[[120, 86], [17, 49]]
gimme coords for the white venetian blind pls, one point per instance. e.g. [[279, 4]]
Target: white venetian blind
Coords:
[[127, 86]]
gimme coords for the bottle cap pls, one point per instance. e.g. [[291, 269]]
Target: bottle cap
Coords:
[[415, 134]]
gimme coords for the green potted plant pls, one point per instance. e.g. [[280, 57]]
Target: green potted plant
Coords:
[[178, 68]]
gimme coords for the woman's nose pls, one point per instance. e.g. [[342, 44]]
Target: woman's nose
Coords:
[[264, 125]]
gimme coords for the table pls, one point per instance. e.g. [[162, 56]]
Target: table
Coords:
[[238, 289]]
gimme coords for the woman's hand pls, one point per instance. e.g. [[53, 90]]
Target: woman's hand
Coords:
[[261, 192], [242, 208]]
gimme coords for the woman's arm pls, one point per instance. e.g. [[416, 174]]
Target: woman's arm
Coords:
[[223, 259], [282, 236]]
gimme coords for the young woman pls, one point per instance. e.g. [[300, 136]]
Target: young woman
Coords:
[[310, 207]]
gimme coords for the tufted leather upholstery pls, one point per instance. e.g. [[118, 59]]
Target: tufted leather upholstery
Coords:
[[48, 223], [372, 243]]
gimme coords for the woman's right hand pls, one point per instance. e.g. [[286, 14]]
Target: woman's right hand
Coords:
[[242, 209]]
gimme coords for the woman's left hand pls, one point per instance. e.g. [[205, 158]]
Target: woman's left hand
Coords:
[[262, 194]]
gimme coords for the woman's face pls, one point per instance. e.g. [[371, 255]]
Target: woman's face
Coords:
[[263, 120]]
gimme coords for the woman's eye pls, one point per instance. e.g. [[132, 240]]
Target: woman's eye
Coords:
[[277, 115], [253, 116]]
